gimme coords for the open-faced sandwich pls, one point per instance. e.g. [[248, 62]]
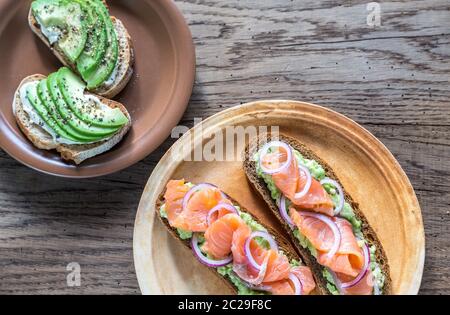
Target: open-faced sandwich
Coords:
[[249, 257], [85, 38], [329, 230], [55, 112]]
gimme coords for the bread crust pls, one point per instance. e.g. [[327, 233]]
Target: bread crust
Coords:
[[42, 140], [126, 56], [259, 185], [283, 244]]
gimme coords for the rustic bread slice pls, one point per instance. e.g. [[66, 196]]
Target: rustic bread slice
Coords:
[[260, 186], [125, 62], [283, 244], [43, 140]]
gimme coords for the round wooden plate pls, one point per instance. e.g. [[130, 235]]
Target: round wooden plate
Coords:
[[156, 97], [364, 165]]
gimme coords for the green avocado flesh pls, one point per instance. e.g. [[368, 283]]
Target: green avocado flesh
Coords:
[[84, 32], [35, 101], [106, 67], [72, 89], [68, 17], [318, 172], [93, 132], [47, 99], [227, 271], [96, 41]]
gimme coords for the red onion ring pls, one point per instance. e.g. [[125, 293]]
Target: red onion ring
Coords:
[[266, 236], [196, 188], [363, 271], [340, 205], [264, 151], [334, 228], [219, 207], [307, 187], [283, 211], [298, 288], [242, 271], [205, 260]]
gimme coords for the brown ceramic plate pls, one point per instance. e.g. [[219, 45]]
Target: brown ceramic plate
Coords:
[[156, 97], [363, 164]]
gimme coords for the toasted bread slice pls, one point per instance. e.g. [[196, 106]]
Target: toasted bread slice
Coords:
[[283, 244], [43, 140], [260, 186], [125, 62]]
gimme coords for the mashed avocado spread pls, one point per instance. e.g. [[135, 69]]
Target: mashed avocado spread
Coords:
[[318, 172]]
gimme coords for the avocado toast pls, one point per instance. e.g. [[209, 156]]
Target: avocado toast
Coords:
[[55, 113], [325, 224], [249, 257], [85, 38]]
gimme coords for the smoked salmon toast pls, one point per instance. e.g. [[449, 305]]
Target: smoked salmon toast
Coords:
[[330, 232], [223, 236]]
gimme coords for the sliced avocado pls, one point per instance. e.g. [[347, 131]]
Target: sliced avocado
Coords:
[[69, 18], [72, 89], [95, 47], [93, 132], [50, 12], [37, 104], [46, 99], [106, 67]]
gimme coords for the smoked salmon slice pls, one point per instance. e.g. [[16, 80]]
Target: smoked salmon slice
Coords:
[[317, 198], [227, 234], [284, 287], [287, 180], [306, 278], [313, 211], [175, 192], [348, 260], [292, 180], [364, 287], [193, 218], [278, 267], [219, 235]]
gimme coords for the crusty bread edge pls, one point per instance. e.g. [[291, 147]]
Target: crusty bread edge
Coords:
[[68, 152], [283, 244], [108, 92], [259, 185]]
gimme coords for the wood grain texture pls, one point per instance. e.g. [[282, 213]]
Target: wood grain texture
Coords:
[[392, 79]]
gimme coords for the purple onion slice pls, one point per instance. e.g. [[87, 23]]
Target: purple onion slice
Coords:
[[197, 188], [283, 211], [332, 225], [265, 150], [298, 288], [266, 236], [308, 184], [362, 273], [205, 260], [219, 207]]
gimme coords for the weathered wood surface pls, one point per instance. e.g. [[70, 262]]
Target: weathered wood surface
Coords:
[[392, 79]]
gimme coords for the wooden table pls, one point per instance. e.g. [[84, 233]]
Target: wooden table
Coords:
[[393, 79]]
